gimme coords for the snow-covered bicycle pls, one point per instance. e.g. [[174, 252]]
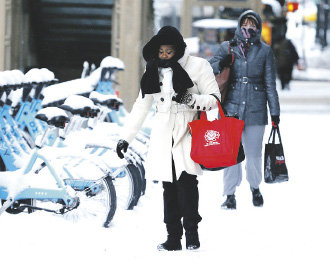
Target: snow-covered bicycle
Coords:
[[55, 189]]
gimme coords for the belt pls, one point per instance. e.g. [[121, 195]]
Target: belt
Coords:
[[177, 108], [246, 80]]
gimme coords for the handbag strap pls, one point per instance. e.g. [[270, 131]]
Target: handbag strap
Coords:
[[232, 55], [222, 115], [273, 135], [278, 133]]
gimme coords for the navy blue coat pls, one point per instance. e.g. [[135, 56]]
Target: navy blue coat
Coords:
[[253, 78]]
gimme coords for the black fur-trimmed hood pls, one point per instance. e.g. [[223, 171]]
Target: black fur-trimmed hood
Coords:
[[167, 35]]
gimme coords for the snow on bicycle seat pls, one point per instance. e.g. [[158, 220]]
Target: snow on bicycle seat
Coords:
[[79, 105], [111, 101], [33, 76], [112, 62], [53, 116]]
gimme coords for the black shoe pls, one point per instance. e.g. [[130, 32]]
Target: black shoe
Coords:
[[230, 202], [170, 245], [257, 198], [192, 240]]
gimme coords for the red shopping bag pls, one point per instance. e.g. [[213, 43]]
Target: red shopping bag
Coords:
[[215, 143]]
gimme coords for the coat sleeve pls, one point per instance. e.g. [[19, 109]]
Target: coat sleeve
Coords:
[[135, 119], [220, 54], [206, 85], [293, 53], [270, 84]]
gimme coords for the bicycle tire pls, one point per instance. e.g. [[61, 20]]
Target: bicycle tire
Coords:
[[87, 205], [125, 185], [113, 202], [134, 171], [142, 176], [109, 206]]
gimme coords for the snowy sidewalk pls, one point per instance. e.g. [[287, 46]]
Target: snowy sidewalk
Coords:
[[293, 224], [305, 96], [316, 74]]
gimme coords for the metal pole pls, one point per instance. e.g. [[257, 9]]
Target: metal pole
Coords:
[[326, 20]]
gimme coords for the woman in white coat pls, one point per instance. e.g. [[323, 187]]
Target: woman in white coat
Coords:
[[180, 85]]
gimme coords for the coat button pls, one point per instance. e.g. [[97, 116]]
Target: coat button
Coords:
[[162, 99], [198, 107], [160, 83]]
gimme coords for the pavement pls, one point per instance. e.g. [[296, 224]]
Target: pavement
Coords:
[[305, 96]]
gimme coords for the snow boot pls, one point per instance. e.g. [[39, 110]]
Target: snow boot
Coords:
[[171, 244], [230, 202], [257, 198], [192, 240]]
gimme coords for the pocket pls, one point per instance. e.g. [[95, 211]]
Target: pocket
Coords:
[[231, 109], [258, 100]]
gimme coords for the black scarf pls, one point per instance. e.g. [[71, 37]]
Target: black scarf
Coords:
[[150, 79]]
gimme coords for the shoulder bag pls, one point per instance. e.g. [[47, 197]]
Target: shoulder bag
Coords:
[[216, 144], [223, 78]]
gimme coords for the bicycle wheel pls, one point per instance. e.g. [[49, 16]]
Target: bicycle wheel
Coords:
[[125, 185], [97, 208], [142, 176], [128, 187], [136, 175]]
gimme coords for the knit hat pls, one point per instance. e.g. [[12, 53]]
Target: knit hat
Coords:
[[167, 35], [252, 17]]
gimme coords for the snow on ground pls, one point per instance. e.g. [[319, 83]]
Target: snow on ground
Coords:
[[293, 224]]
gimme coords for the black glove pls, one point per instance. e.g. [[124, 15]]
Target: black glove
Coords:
[[121, 145], [225, 62], [275, 120], [183, 98]]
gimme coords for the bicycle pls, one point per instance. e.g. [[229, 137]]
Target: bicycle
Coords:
[[68, 192], [127, 179]]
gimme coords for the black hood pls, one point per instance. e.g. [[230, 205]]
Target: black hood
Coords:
[[238, 32], [167, 35]]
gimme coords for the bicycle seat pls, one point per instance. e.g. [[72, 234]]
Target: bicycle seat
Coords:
[[112, 63], [79, 105], [53, 116], [111, 101]]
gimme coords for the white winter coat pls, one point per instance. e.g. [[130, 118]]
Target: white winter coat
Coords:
[[170, 135]]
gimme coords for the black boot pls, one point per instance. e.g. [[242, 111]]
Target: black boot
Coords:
[[257, 198], [171, 244], [230, 202], [192, 240]]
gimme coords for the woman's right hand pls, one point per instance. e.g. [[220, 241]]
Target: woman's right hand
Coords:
[[121, 145], [226, 61]]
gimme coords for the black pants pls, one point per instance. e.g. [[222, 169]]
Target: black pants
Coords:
[[181, 202]]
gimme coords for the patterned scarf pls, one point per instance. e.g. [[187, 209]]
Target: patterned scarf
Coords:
[[248, 33]]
